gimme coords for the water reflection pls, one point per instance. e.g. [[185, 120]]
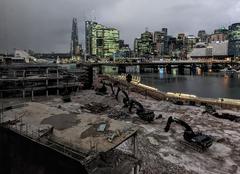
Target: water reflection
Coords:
[[225, 81], [199, 71], [214, 85], [174, 72], [161, 73]]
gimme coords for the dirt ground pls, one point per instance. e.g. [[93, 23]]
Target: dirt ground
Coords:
[[162, 152]]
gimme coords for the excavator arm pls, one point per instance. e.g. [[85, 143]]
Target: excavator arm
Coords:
[[138, 105], [111, 86], [144, 114], [197, 141], [118, 90], [178, 121], [126, 98]]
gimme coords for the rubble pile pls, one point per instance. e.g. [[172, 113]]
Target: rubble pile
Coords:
[[95, 107], [114, 161], [118, 115]]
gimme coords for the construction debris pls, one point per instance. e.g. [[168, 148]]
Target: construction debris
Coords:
[[222, 115], [111, 137], [101, 127], [118, 115], [113, 162], [159, 151], [95, 107]]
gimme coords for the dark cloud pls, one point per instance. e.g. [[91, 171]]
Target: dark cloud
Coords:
[[45, 25]]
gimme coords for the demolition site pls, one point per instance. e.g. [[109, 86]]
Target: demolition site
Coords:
[[59, 121]]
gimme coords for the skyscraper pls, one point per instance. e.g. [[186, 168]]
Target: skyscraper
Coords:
[[88, 25], [101, 41], [234, 40], [74, 49], [165, 31], [159, 43], [165, 42], [144, 46]]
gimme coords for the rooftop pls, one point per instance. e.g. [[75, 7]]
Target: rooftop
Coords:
[[85, 132]]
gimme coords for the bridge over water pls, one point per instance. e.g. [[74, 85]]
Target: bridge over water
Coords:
[[138, 67]]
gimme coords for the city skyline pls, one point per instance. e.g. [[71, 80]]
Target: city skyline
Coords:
[[33, 25]]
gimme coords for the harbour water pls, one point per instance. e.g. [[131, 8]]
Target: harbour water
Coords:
[[209, 85]]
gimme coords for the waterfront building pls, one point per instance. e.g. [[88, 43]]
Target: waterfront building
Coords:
[[166, 41], [181, 41], [101, 41], [144, 45], [216, 50], [219, 35], [136, 44], [181, 49], [159, 36], [220, 49], [159, 43], [172, 45], [165, 31], [201, 51], [191, 41], [162, 43], [124, 50], [234, 40], [203, 37]]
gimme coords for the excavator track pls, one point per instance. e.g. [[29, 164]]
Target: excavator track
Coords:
[[192, 146]]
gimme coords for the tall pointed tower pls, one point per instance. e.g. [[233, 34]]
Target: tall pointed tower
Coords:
[[74, 38]]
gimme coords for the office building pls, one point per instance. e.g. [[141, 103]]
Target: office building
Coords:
[[219, 35], [203, 37], [191, 41], [159, 43], [75, 48], [234, 40], [101, 41], [216, 50], [144, 46]]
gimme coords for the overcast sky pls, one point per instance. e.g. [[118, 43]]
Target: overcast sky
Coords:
[[45, 25]]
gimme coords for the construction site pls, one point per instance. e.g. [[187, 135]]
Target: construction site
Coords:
[[24, 80], [56, 123]]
